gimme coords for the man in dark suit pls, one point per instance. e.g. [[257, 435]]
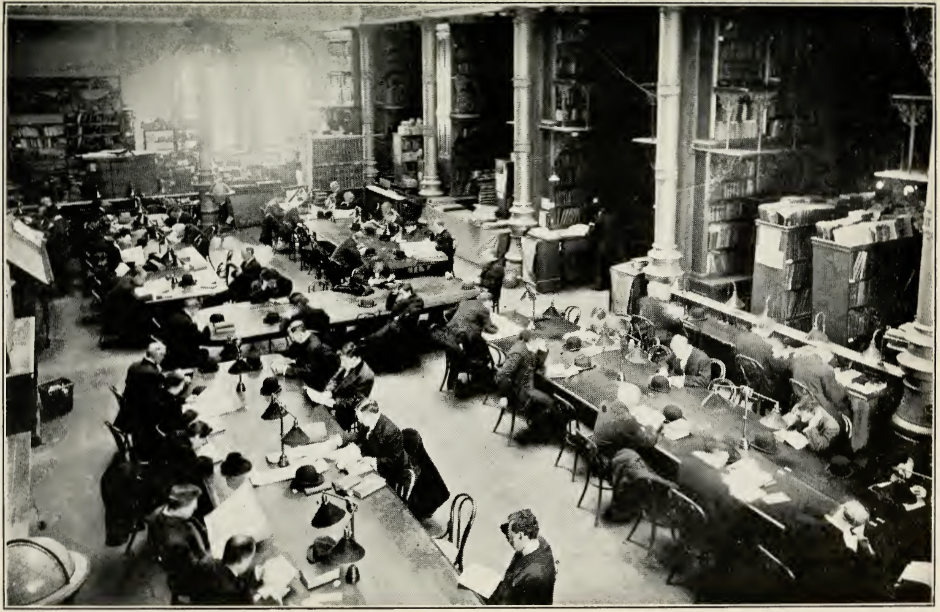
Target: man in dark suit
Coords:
[[665, 322], [392, 348], [812, 367], [351, 384], [179, 538], [184, 339], [492, 274], [444, 243], [755, 345], [313, 318], [314, 361], [380, 439], [530, 578], [270, 285], [688, 366], [515, 381], [620, 429], [122, 314], [231, 581], [250, 271], [144, 380], [463, 339], [347, 254]]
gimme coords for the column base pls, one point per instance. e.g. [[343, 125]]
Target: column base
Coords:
[[663, 271], [913, 418], [430, 188], [522, 220]]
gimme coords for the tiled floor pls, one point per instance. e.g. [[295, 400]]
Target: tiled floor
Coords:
[[596, 565]]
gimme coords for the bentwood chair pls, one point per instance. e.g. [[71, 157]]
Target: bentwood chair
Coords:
[[455, 538], [689, 526], [498, 356], [575, 440], [598, 475]]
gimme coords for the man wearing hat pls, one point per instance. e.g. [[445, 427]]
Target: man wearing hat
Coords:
[[463, 341], [444, 243], [180, 539], [233, 580], [378, 439], [530, 578], [351, 384], [314, 362], [515, 381], [184, 341]]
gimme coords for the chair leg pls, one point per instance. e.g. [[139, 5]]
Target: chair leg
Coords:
[[587, 483], [574, 469], [560, 451], [512, 428], [649, 551], [600, 495], [446, 376], [633, 529], [499, 420]]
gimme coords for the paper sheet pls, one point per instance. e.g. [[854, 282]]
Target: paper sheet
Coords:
[[918, 571], [369, 485], [134, 255], [793, 438], [260, 478], [348, 455], [347, 483], [278, 573], [647, 416], [479, 579], [716, 460], [312, 581], [311, 452], [318, 397], [212, 451], [359, 468], [775, 498], [677, 430], [558, 370], [505, 328], [239, 514]]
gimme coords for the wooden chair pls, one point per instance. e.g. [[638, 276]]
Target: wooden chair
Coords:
[[498, 356], [572, 314], [407, 484], [454, 540], [121, 440], [512, 409], [598, 475], [576, 441], [653, 510], [752, 374], [689, 524]]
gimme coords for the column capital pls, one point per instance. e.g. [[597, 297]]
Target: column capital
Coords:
[[442, 30]]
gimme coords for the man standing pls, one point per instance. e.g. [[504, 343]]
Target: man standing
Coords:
[[379, 439], [144, 381], [515, 381], [180, 538], [463, 339], [530, 577], [314, 362], [351, 384], [445, 243]]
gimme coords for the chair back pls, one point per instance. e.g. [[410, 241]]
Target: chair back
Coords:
[[117, 395], [566, 408], [847, 425], [775, 567], [572, 314], [121, 440], [753, 374], [458, 526], [686, 517], [497, 354], [645, 330], [801, 390], [406, 485], [719, 372]]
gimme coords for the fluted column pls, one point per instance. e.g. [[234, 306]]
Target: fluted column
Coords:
[[430, 183], [366, 65], [522, 211], [914, 416], [664, 268]]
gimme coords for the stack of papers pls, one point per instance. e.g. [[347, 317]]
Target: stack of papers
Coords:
[[845, 377], [677, 430], [746, 479], [369, 485], [260, 478], [347, 483], [647, 416], [239, 514], [319, 397], [793, 438], [277, 574], [358, 468], [348, 455], [312, 581], [716, 460], [479, 579]]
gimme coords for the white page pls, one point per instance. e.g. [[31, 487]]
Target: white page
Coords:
[[368, 486], [918, 571], [647, 416], [775, 498], [312, 581], [239, 514], [347, 455], [479, 579], [677, 430], [318, 397], [260, 478], [314, 452], [318, 599], [278, 573]]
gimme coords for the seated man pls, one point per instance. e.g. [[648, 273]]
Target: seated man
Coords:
[[349, 201], [351, 384], [176, 459], [379, 439], [314, 319], [392, 348], [231, 581], [270, 285], [812, 367], [445, 243], [180, 539], [665, 317], [463, 341], [122, 313], [819, 427], [618, 429], [530, 578], [493, 273], [333, 198], [185, 342], [515, 381], [631, 480], [314, 362], [756, 345], [348, 254], [385, 217], [688, 366], [244, 277]]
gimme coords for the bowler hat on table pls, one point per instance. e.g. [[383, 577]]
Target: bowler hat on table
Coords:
[[216, 318], [366, 303], [272, 318], [270, 385], [841, 467], [320, 550], [235, 464], [672, 413], [659, 384], [306, 477], [765, 442], [698, 314], [582, 361], [187, 280], [573, 343]]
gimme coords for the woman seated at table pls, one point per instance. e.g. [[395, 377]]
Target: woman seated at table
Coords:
[[819, 427]]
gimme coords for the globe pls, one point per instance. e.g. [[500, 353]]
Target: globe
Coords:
[[39, 569]]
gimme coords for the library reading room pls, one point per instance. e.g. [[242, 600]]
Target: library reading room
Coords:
[[582, 305]]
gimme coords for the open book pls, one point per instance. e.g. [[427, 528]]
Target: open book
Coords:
[[239, 514], [479, 579], [319, 397]]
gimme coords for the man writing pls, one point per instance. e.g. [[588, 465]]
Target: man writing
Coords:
[[463, 340], [391, 347], [688, 366], [233, 580], [250, 271], [185, 342], [314, 362], [351, 384], [379, 439], [530, 578]]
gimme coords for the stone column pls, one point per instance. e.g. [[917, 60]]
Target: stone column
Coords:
[[430, 183], [444, 100], [523, 213], [914, 416], [366, 64], [664, 269]]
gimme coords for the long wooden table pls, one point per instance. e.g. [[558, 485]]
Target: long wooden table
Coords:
[[207, 284], [402, 565], [342, 308]]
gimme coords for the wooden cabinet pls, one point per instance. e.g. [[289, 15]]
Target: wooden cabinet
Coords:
[[557, 262]]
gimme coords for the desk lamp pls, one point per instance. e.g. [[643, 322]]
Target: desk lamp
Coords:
[[348, 550], [270, 388], [872, 354], [240, 386], [296, 436], [328, 514]]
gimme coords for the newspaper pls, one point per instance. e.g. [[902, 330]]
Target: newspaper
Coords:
[[239, 514], [479, 579]]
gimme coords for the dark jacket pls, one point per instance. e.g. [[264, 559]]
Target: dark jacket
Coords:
[[759, 349], [314, 362], [445, 244], [280, 287], [655, 311], [218, 586], [386, 444], [820, 378], [472, 318], [240, 287], [314, 319], [121, 307], [347, 254], [704, 485], [491, 277], [625, 432], [184, 340], [408, 308], [144, 381], [430, 491], [516, 377], [351, 387], [697, 371], [125, 499], [529, 579], [183, 546]]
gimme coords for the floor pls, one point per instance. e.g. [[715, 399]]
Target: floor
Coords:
[[596, 565]]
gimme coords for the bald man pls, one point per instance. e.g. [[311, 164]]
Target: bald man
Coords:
[[143, 383]]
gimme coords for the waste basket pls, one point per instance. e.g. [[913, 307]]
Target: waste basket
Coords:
[[55, 398]]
